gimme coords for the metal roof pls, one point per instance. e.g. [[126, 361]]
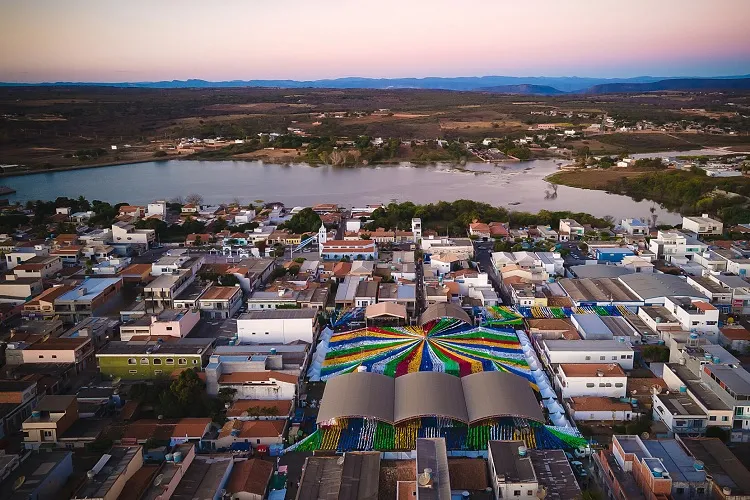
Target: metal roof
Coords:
[[470, 399], [304, 313], [443, 310], [652, 285]]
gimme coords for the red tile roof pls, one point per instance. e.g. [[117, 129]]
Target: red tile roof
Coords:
[[250, 476]]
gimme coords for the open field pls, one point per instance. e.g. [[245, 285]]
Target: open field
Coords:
[[43, 127], [592, 178]]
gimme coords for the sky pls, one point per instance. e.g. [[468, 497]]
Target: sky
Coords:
[[151, 40]]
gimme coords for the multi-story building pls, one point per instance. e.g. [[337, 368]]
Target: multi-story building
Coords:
[[92, 297], [703, 225], [634, 227], [591, 379], [353, 250], [555, 352], [50, 419], [676, 246], [220, 302], [152, 359], [570, 229], [168, 323], [161, 293], [277, 326], [695, 315], [44, 267], [680, 413]]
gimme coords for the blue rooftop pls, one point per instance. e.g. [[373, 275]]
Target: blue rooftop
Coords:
[[636, 222], [89, 289]]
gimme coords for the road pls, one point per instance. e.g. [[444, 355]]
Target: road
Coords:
[[483, 257]]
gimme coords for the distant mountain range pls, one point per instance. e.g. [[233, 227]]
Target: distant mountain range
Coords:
[[538, 85]]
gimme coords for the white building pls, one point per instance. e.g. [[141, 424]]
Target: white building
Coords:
[[570, 229], [694, 315], [634, 227], [157, 209], [674, 245], [679, 412], [702, 225], [277, 326], [594, 379], [587, 351], [416, 229], [128, 234]]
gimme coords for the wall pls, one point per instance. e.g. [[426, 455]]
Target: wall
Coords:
[[558, 357], [176, 328], [581, 386], [118, 366], [280, 331]]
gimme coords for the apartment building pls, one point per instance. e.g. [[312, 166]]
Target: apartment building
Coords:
[[220, 302], [591, 379], [92, 297], [703, 225]]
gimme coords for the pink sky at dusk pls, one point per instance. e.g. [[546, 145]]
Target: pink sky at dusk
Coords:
[[140, 40]]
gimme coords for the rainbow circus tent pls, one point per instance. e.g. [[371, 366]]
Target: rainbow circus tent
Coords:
[[439, 344]]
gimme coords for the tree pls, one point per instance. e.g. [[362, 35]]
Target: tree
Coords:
[[194, 199], [261, 246], [304, 221]]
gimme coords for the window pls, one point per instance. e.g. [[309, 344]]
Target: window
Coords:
[[590, 384], [622, 356], [41, 356], [144, 361], [614, 358], [517, 493], [725, 419], [601, 384], [618, 384], [588, 358], [54, 356], [182, 361], [712, 418], [132, 372], [630, 356], [680, 491], [170, 361], [602, 358], [131, 361], [700, 491], [529, 493], [157, 361], [157, 372], [195, 361], [169, 328], [47, 433]]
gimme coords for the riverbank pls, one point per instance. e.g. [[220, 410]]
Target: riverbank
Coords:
[[35, 171]]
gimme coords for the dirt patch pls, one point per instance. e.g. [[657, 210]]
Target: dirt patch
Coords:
[[589, 178], [261, 107], [281, 155]]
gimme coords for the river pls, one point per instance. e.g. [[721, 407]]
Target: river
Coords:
[[516, 186]]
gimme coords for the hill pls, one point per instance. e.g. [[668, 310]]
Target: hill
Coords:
[[676, 84], [523, 89]]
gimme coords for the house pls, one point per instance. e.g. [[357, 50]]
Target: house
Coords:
[[264, 385], [93, 297], [634, 227], [676, 246], [168, 323], [636, 264], [730, 477], [556, 352], [39, 476], [22, 254], [479, 230], [50, 419], [735, 337], [703, 225], [157, 209], [43, 305], [366, 294], [591, 379], [111, 474], [44, 349], [220, 302], [178, 431], [128, 234], [251, 433], [197, 240], [17, 398], [44, 267], [69, 255], [680, 413], [138, 360], [599, 408], [254, 409], [249, 479], [14, 290], [694, 315], [161, 292], [278, 326], [135, 211], [570, 229], [527, 474], [353, 250]]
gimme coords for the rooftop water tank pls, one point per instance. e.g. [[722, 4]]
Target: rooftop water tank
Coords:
[[177, 457]]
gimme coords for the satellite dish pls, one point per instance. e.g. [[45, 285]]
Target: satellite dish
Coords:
[[19, 482], [158, 479], [117, 380], [340, 461], [645, 435]]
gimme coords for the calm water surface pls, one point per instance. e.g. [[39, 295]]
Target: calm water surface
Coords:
[[517, 186]]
